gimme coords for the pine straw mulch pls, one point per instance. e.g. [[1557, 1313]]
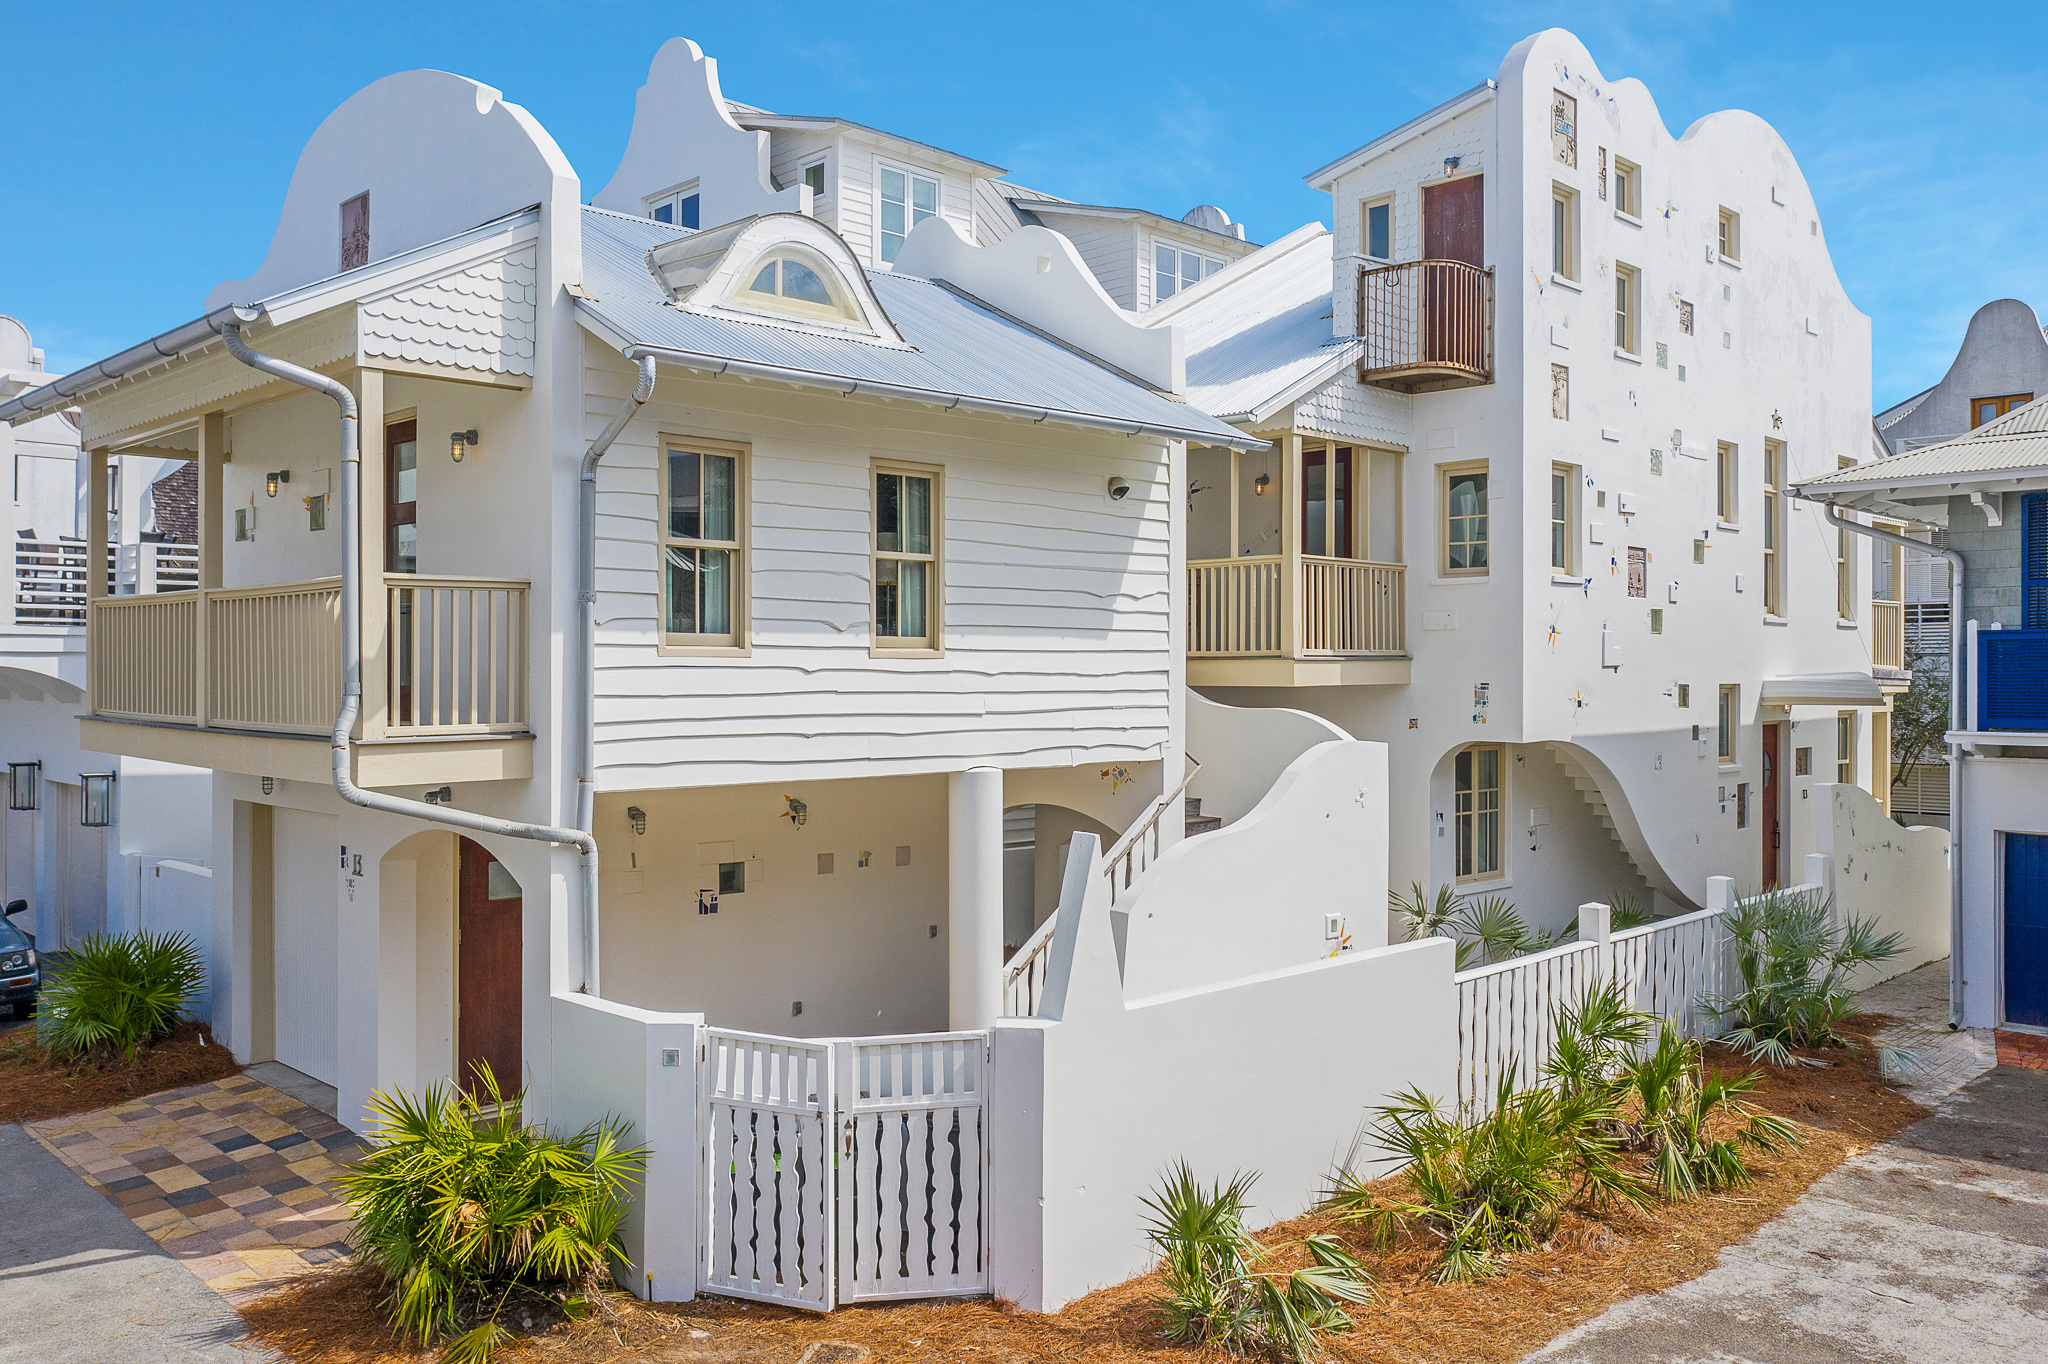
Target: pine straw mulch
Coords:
[[1592, 1263], [35, 1083]]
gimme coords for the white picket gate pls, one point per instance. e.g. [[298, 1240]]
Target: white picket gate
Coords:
[[844, 1169]]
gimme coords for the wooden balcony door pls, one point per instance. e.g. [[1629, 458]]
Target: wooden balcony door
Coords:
[[1772, 837], [1453, 228], [488, 977], [401, 542], [1329, 483]]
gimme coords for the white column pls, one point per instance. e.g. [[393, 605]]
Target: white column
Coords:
[[974, 897]]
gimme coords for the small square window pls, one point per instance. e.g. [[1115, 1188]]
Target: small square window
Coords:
[[903, 855], [1730, 239], [1802, 762], [316, 512], [1628, 188], [1742, 805], [1377, 229], [814, 176], [1656, 620], [1685, 703], [1699, 551], [1564, 232], [732, 878], [824, 864]]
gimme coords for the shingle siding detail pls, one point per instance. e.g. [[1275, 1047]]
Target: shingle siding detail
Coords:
[[479, 317]]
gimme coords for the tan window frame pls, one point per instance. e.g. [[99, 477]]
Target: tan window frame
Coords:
[[700, 548], [1472, 531], [884, 563], [1478, 807]]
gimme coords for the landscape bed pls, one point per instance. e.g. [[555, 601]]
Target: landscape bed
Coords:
[[1589, 1265], [36, 1084]]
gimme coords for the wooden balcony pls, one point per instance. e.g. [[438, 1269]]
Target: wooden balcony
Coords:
[[1888, 634], [1426, 325], [1332, 622], [249, 679]]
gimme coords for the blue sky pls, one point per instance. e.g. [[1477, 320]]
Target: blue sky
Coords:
[[150, 145]]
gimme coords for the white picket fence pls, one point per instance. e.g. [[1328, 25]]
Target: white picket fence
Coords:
[[844, 1169]]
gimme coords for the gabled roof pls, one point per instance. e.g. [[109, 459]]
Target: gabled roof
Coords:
[[957, 353], [1043, 207], [2010, 449], [1258, 332], [749, 117], [1322, 177]]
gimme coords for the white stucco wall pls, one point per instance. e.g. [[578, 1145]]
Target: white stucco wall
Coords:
[[1999, 796]]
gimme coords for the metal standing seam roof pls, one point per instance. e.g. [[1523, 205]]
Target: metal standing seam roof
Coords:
[[963, 354], [2015, 444], [1265, 338]]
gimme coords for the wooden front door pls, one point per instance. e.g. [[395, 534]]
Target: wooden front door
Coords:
[[1453, 218], [488, 970], [1772, 837]]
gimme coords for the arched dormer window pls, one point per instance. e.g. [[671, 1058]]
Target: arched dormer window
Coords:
[[798, 283], [782, 269]]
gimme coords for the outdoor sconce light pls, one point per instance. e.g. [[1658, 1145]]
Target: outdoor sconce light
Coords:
[[798, 813], [97, 810], [1260, 484], [440, 796], [639, 818], [270, 481], [269, 785], [458, 439], [1119, 489], [21, 785], [1451, 163]]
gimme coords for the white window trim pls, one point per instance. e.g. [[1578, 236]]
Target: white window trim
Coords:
[[1573, 481], [1152, 266], [935, 642], [1571, 274], [1734, 219], [1634, 348], [1365, 208], [824, 165], [739, 644], [674, 195], [909, 212], [1633, 210]]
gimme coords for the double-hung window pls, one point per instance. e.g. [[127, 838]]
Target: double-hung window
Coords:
[[703, 493], [1562, 541], [1628, 188], [1730, 716], [1465, 530], [1628, 308], [907, 578], [906, 199], [1845, 747], [1729, 239], [1564, 232], [1174, 270], [1477, 804], [1774, 528], [1724, 483]]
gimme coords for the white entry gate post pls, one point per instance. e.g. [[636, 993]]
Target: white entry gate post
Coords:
[[846, 1169]]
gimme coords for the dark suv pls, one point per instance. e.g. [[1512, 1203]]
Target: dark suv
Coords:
[[21, 975]]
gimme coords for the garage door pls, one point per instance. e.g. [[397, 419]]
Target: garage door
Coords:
[[306, 886]]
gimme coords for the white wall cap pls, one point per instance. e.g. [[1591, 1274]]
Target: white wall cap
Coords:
[[1037, 276]]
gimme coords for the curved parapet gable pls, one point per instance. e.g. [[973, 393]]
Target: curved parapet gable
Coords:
[[436, 154], [683, 133], [1036, 276]]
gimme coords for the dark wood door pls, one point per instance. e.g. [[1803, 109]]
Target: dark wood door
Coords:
[[1773, 838], [1453, 221], [488, 969]]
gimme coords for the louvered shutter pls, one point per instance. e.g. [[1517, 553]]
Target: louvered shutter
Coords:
[[2034, 562]]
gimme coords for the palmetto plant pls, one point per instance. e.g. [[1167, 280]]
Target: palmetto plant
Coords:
[[1797, 968], [1669, 1103], [1593, 1039], [1220, 1286], [1486, 930], [116, 993], [1491, 1182], [462, 1205]]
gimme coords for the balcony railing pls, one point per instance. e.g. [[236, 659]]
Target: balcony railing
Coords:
[[50, 576], [1425, 325], [2012, 680], [1887, 634], [1240, 608], [270, 659]]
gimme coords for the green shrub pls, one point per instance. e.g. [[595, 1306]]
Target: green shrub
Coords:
[[1486, 930], [1219, 1289], [116, 993], [463, 1205], [1491, 1182], [1669, 1103], [1797, 969]]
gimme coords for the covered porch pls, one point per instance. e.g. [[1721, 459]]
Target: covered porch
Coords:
[[1295, 572]]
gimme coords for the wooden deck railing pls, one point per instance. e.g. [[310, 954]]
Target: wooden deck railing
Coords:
[[1888, 634], [270, 659], [1425, 324], [1238, 608]]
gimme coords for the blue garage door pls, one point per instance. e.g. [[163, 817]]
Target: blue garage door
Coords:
[[2026, 929]]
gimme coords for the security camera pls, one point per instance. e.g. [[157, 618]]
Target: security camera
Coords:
[[1119, 488]]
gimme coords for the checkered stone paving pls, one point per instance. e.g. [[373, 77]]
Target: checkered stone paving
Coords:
[[232, 1178]]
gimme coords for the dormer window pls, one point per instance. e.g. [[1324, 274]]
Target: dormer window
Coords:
[[679, 208], [786, 282]]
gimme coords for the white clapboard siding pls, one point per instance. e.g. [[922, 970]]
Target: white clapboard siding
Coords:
[[1058, 605]]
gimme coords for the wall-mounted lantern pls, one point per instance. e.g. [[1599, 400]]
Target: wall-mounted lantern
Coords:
[[270, 481], [457, 440], [798, 813], [21, 785], [440, 795], [96, 811], [639, 818], [1260, 484]]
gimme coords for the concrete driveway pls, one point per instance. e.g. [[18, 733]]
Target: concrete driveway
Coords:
[[1931, 1248], [82, 1284]]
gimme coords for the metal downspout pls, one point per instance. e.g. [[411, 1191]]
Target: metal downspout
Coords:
[[352, 650], [1955, 723], [586, 575]]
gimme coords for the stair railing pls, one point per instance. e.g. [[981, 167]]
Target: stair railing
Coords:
[[1024, 973]]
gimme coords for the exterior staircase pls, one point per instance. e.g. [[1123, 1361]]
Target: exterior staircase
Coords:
[[1197, 822], [1596, 801]]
